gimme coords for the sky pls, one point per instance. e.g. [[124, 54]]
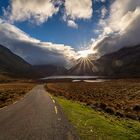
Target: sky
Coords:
[[60, 31], [55, 29]]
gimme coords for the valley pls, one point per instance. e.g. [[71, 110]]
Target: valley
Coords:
[[105, 90], [69, 69]]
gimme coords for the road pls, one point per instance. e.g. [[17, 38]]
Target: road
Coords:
[[35, 117]]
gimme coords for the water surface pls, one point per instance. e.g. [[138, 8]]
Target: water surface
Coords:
[[73, 77]]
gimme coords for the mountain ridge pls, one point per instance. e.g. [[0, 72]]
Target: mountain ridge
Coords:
[[15, 66], [122, 63], [12, 64]]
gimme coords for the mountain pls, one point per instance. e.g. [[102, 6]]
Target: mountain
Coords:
[[48, 70], [82, 67], [122, 63], [11, 64]]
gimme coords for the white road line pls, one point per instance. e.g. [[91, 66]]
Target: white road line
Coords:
[[55, 108], [52, 98], [53, 101]]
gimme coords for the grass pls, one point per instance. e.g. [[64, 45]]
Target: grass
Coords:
[[11, 92], [120, 97], [96, 125]]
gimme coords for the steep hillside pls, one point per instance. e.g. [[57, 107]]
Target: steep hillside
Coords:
[[47, 70], [11, 64], [123, 63], [82, 67]]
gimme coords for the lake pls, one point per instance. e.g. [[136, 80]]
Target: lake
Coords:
[[73, 78]]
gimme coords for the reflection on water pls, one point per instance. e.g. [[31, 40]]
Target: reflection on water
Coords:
[[88, 79], [97, 80], [73, 77]]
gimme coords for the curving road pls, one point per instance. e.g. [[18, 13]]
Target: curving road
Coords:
[[36, 117]]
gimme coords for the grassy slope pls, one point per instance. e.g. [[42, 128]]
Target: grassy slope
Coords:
[[96, 125], [120, 97]]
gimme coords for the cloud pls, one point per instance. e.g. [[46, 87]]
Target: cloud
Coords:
[[35, 10], [38, 11], [100, 1], [33, 50], [103, 12], [77, 9], [1, 20], [121, 28], [72, 24]]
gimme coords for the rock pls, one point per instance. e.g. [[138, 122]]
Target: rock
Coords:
[[136, 108], [110, 110], [132, 116], [103, 106], [120, 114]]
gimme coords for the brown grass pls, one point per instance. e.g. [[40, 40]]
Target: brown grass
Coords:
[[119, 97], [12, 92]]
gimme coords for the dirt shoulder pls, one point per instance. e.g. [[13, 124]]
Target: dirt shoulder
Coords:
[[13, 91]]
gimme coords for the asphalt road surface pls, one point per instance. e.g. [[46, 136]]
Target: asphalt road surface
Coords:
[[35, 117]]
